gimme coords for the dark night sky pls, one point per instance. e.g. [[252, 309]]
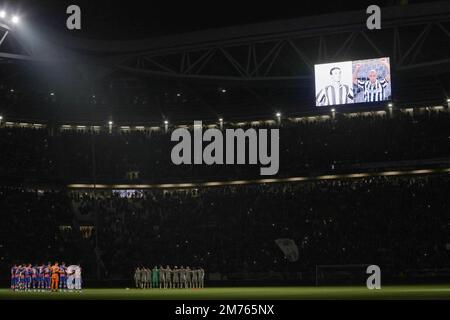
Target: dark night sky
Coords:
[[134, 19]]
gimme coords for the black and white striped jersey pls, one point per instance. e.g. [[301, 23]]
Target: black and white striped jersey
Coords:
[[373, 91], [334, 95]]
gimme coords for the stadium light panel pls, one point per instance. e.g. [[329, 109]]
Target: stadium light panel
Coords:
[[15, 19], [2, 14]]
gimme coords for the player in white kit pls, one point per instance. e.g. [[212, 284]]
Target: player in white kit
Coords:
[[78, 280]]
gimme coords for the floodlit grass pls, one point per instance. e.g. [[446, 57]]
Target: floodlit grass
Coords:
[[251, 293]]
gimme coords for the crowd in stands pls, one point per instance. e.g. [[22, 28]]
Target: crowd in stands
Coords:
[[305, 148], [397, 221], [400, 221]]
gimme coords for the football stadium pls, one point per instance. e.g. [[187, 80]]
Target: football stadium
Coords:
[[279, 155]]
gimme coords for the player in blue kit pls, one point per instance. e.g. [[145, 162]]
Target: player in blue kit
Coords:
[[40, 274], [47, 276], [35, 278], [63, 277], [21, 277], [18, 277], [28, 276], [13, 277]]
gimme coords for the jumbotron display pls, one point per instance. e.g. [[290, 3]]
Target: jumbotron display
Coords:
[[351, 82]]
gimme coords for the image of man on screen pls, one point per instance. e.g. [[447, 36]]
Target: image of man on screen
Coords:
[[335, 93], [373, 86]]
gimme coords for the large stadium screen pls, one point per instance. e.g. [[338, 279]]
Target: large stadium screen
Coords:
[[350, 82]]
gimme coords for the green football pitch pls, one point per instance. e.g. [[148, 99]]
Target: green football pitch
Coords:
[[251, 293]]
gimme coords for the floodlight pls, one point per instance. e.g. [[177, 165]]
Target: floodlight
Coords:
[[15, 19], [2, 14]]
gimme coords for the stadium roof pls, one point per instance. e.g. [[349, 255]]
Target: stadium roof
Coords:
[[182, 75], [119, 20]]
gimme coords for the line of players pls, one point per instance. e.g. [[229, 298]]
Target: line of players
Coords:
[[41, 278], [166, 278]]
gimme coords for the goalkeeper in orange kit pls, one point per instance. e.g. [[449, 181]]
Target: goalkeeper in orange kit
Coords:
[[55, 277]]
